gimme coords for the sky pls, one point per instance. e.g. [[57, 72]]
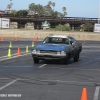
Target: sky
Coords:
[[75, 8]]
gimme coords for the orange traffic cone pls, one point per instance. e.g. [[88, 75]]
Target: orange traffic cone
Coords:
[[84, 94], [14, 38], [9, 38], [2, 39], [84, 40], [18, 39], [35, 39], [18, 51]]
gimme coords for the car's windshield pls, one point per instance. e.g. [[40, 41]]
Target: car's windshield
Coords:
[[56, 40]]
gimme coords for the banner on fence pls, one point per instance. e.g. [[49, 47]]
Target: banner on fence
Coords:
[[4, 22], [97, 27]]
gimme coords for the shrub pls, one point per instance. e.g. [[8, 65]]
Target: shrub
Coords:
[[59, 27], [88, 27], [62, 27]]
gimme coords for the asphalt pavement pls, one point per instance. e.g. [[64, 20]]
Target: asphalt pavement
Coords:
[[21, 79]]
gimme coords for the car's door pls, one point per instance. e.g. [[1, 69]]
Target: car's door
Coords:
[[69, 47], [74, 47]]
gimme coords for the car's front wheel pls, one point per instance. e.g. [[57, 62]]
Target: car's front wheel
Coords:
[[36, 60], [66, 60], [76, 58]]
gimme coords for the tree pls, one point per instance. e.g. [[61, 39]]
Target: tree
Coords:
[[64, 8], [88, 27], [31, 6], [39, 9], [21, 12], [14, 12], [47, 10], [50, 3], [53, 4], [64, 11], [9, 6], [64, 27]]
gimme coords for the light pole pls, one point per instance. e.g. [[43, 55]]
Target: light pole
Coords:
[[99, 13], [11, 5]]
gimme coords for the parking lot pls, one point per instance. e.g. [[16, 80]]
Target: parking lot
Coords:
[[21, 79]]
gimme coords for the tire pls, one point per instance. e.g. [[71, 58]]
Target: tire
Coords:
[[76, 58], [36, 60], [66, 60], [48, 61]]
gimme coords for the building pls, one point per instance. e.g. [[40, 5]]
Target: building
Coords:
[[2, 12], [7, 11]]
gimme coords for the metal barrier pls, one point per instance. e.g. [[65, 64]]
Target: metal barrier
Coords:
[[75, 22]]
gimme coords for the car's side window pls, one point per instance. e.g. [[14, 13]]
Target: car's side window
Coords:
[[46, 40], [67, 41], [73, 40]]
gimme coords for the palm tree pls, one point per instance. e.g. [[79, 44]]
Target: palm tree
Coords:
[[50, 3], [64, 9], [53, 4], [9, 6], [65, 13]]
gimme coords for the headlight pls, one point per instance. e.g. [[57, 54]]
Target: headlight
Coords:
[[38, 51], [63, 53], [34, 51], [58, 53]]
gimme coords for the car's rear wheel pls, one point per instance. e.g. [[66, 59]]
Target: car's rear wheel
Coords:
[[76, 58], [36, 60]]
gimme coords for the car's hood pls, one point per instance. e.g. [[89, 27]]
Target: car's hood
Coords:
[[56, 47]]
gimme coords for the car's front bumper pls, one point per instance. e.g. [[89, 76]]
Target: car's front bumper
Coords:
[[48, 57]]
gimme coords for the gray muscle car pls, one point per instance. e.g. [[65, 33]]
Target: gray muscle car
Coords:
[[57, 47]]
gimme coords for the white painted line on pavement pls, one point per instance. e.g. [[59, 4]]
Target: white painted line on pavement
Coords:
[[60, 81], [24, 79], [4, 78], [83, 43], [96, 94], [8, 84], [90, 46], [79, 69], [14, 57], [42, 65], [19, 66], [91, 50], [7, 56]]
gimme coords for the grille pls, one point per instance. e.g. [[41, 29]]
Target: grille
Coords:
[[48, 51]]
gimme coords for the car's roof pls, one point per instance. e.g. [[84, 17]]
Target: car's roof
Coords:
[[60, 36]]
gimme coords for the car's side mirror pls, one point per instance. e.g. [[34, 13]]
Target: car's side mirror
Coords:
[[71, 42]]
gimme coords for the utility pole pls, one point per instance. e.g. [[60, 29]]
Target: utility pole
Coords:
[[11, 5], [99, 13]]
